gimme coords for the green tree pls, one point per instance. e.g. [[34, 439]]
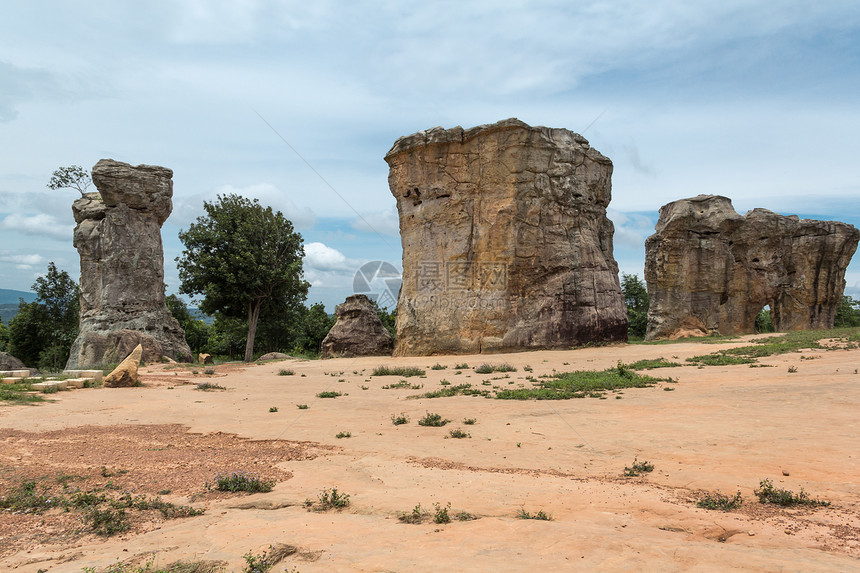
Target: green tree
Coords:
[[848, 313], [637, 302], [71, 177], [388, 317], [196, 331], [43, 331], [764, 321], [239, 256], [315, 326], [4, 337]]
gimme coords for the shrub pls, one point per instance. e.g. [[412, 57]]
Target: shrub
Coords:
[[441, 514], [638, 468], [415, 516], [329, 394], [470, 421], [438, 366], [719, 501], [332, 499], [767, 493], [540, 515], [399, 419], [273, 409], [302, 406], [459, 434], [286, 372], [240, 481], [434, 420], [207, 386], [340, 435], [490, 368], [398, 371]]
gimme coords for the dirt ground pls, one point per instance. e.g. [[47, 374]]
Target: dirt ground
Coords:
[[719, 428]]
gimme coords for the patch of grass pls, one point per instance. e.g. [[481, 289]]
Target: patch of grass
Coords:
[[458, 390], [403, 384], [287, 372], [302, 406], [540, 515], [340, 435], [720, 359], [768, 493], [653, 363], [273, 409], [638, 468], [465, 516], [106, 521], [405, 371], [264, 562], [469, 421], [18, 393], [26, 499], [718, 501], [208, 386], [209, 371], [329, 394], [462, 366], [459, 434], [487, 368], [240, 481], [434, 420], [399, 419], [441, 513], [438, 366], [579, 384]]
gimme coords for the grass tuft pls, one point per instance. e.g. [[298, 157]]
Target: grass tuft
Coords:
[[398, 371]]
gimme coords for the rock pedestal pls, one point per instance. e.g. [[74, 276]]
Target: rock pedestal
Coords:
[[357, 332], [118, 237], [709, 266], [506, 243]]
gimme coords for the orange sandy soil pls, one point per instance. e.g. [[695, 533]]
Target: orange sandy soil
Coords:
[[722, 428]]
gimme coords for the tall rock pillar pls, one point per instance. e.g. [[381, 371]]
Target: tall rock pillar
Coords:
[[118, 236], [506, 243]]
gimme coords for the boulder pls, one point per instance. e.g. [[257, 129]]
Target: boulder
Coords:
[[506, 243], [204, 359], [125, 375], [273, 356], [118, 237], [9, 362], [358, 331], [710, 269]]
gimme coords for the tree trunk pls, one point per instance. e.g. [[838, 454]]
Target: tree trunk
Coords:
[[253, 315]]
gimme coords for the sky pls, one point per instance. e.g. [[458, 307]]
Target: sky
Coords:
[[296, 104]]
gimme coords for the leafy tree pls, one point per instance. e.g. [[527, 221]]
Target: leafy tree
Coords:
[[71, 177], [388, 317], [848, 313], [764, 321], [43, 331], [227, 336], [196, 331], [4, 337], [637, 302], [315, 326], [239, 256]]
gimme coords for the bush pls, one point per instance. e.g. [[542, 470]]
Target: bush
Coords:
[[720, 502], [434, 420], [767, 493], [398, 371], [638, 468], [240, 481]]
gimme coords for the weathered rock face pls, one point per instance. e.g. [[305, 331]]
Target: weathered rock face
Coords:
[[118, 236], [9, 362], [707, 265], [506, 244], [357, 332]]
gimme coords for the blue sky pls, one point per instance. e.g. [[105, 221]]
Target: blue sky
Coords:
[[753, 100]]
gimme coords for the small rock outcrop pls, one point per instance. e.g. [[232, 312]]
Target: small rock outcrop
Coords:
[[357, 332], [125, 375], [506, 243], [9, 362], [710, 269], [273, 356], [118, 236]]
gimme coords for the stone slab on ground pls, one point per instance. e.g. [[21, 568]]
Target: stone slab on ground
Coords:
[[96, 375], [14, 373], [59, 384]]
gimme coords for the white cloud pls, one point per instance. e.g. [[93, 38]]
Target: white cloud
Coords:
[[631, 229], [41, 225], [23, 262], [328, 267], [385, 222]]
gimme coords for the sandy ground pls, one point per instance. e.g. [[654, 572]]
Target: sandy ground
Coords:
[[720, 428]]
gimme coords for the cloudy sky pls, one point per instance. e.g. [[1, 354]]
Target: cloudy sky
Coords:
[[753, 100]]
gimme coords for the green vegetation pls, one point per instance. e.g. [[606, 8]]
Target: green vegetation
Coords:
[[540, 515], [768, 493], [434, 420], [331, 499], [273, 409], [240, 481], [438, 366], [242, 257], [19, 393], [441, 513], [470, 421], [403, 384], [637, 302], [490, 368], [638, 468], [414, 517], [399, 419], [719, 501], [286, 372], [848, 313], [579, 384], [404, 371], [340, 435], [209, 386], [302, 406], [71, 177], [462, 366], [329, 394], [264, 562], [458, 390], [653, 363], [458, 433], [719, 359]]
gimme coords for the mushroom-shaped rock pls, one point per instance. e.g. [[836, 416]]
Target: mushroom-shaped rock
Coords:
[[357, 332]]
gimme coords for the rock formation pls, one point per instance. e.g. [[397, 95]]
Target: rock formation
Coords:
[[9, 362], [357, 332], [125, 375], [506, 244], [710, 269], [118, 236]]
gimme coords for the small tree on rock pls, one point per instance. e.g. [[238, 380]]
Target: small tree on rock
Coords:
[[636, 300], [71, 177], [239, 256]]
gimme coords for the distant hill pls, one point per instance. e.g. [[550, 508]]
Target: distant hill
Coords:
[[8, 296]]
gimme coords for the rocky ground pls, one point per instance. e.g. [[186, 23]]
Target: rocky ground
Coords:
[[715, 428]]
